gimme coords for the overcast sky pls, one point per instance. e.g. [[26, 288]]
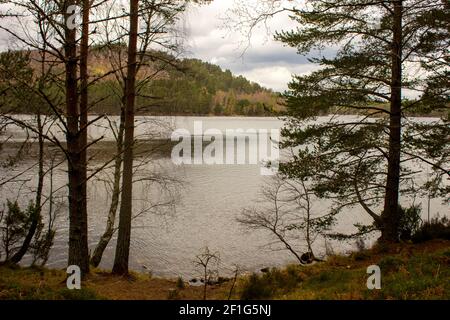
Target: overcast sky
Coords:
[[266, 61]]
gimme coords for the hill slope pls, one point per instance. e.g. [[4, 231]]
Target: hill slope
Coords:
[[165, 85], [194, 87]]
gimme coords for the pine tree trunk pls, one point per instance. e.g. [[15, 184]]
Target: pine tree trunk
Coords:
[[123, 240], [78, 246], [84, 52], [390, 217]]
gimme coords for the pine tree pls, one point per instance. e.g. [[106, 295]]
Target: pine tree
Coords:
[[386, 49]]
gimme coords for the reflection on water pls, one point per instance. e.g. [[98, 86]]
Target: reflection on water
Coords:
[[166, 241]]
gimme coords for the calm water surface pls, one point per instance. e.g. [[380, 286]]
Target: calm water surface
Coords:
[[166, 240]]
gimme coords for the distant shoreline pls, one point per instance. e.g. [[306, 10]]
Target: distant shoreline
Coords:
[[231, 116]]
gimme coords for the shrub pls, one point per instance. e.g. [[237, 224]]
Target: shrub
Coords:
[[360, 244], [173, 294], [381, 247], [265, 286], [14, 224], [409, 221], [446, 253], [180, 283], [437, 228], [359, 256], [390, 264], [256, 287]]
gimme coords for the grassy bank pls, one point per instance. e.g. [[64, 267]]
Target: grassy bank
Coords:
[[409, 271]]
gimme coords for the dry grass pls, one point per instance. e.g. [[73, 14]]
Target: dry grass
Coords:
[[144, 287], [409, 271], [36, 283]]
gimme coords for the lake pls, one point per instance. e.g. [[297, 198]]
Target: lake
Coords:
[[176, 221]]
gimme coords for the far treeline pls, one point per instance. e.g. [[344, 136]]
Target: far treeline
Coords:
[[184, 87]]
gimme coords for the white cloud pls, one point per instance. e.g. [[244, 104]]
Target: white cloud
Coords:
[[276, 77], [265, 61]]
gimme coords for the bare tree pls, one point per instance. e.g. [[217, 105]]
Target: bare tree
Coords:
[[157, 18], [44, 239], [205, 260], [236, 273], [286, 212], [58, 43], [57, 38], [23, 87]]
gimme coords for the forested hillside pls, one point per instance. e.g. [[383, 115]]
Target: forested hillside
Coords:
[[204, 88], [168, 86], [191, 86]]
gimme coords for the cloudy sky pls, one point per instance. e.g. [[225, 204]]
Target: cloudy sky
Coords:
[[209, 36], [265, 61]]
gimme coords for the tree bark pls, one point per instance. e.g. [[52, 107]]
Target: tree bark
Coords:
[[390, 217], [78, 245], [123, 240], [84, 106]]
